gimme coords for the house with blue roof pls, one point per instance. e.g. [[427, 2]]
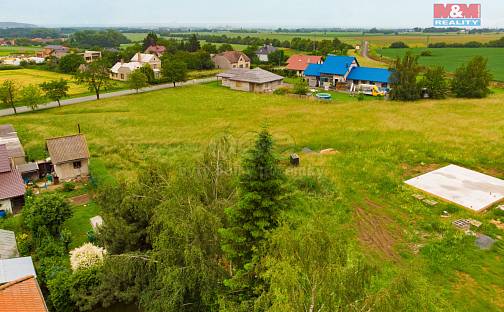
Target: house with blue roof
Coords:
[[337, 69], [368, 75]]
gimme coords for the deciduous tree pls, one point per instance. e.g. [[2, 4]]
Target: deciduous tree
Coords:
[[9, 94], [95, 76], [46, 213], [137, 80], [31, 96], [55, 89], [70, 63], [175, 71], [434, 80], [472, 80], [404, 78]]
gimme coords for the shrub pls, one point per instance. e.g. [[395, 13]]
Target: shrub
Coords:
[[281, 91], [426, 53], [435, 82], [300, 88], [472, 80], [360, 97], [86, 256], [45, 214], [398, 45], [68, 186]]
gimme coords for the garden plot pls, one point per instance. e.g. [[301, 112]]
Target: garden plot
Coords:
[[467, 188]]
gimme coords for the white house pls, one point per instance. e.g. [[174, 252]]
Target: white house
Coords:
[[121, 70]]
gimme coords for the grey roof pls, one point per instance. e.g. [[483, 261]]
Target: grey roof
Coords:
[[256, 75], [8, 246], [67, 148], [9, 137], [28, 167], [16, 268], [232, 72], [266, 49]]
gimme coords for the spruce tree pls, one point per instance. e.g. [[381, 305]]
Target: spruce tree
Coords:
[[262, 197]]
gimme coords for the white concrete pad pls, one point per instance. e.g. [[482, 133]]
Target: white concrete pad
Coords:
[[467, 188]]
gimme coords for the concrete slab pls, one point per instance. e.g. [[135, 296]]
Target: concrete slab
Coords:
[[467, 188]]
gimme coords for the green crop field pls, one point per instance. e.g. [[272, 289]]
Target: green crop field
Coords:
[[379, 144], [451, 58]]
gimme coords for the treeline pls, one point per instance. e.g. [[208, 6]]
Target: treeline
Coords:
[[437, 30], [471, 44], [411, 81], [97, 38], [301, 44], [45, 33]]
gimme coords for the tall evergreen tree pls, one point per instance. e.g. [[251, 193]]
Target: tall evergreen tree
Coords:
[[262, 197], [193, 45], [150, 40]]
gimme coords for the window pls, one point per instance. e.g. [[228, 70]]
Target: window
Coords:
[[122, 76], [241, 65], [77, 164]]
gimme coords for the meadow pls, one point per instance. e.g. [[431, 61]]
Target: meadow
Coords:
[[23, 77], [5, 51], [451, 58], [379, 144]]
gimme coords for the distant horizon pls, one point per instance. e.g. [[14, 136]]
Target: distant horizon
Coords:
[[270, 14]]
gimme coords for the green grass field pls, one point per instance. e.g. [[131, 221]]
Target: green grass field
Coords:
[[380, 144], [5, 51], [451, 58]]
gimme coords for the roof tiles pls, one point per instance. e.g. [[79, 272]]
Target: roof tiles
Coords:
[[22, 295], [67, 148]]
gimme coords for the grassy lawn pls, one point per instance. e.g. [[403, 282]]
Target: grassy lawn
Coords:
[[5, 51], [380, 144], [451, 58], [79, 224]]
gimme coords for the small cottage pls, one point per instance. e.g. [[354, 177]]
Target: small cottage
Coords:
[[70, 156], [12, 188], [251, 80]]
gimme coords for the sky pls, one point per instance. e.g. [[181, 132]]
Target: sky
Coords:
[[233, 13]]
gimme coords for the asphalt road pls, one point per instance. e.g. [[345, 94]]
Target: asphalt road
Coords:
[[91, 98]]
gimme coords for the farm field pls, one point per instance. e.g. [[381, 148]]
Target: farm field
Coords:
[[5, 51], [451, 58], [24, 77], [379, 144], [376, 40]]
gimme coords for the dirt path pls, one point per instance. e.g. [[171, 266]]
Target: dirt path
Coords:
[[80, 200], [372, 230]]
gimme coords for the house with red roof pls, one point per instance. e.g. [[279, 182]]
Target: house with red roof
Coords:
[[157, 50], [299, 62], [22, 295]]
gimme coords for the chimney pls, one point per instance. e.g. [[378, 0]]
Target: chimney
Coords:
[[122, 61], [139, 57]]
